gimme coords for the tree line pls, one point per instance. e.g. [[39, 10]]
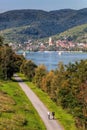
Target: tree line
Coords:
[[66, 86], [9, 61]]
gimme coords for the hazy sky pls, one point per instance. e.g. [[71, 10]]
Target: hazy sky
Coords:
[[42, 4]]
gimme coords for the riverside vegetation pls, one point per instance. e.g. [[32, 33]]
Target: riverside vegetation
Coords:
[[66, 87], [16, 111]]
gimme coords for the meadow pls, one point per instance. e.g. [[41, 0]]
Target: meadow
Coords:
[[16, 111]]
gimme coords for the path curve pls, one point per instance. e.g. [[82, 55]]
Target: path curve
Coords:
[[39, 106]]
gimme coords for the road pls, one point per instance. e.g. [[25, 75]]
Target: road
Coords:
[[39, 106]]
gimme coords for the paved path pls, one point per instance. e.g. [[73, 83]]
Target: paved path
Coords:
[[39, 106]]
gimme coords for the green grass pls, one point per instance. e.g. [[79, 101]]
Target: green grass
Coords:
[[65, 119], [16, 111]]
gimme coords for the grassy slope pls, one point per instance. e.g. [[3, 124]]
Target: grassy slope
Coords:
[[15, 35], [16, 112], [65, 119], [78, 34]]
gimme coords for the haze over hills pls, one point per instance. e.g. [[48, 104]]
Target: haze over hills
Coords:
[[21, 25]]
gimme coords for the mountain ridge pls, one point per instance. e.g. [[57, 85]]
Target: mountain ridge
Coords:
[[41, 23]]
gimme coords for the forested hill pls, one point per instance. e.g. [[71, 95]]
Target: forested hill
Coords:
[[39, 23]]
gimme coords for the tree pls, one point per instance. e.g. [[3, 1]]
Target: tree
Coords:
[[40, 72], [74, 94], [9, 62], [46, 82], [28, 68], [1, 40], [18, 60]]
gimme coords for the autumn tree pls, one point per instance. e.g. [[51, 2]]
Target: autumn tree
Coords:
[[40, 72], [73, 94], [46, 82]]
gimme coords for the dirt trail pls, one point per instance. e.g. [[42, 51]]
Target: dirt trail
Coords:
[[39, 106]]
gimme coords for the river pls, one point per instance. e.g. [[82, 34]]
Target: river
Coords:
[[51, 59]]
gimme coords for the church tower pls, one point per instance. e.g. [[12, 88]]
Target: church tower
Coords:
[[50, 41]]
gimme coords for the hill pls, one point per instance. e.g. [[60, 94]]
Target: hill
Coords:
[[76, 34], [21, 25]]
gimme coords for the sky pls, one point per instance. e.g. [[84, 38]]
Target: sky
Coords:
[[47, 5]]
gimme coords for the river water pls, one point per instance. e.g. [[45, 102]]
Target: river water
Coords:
[[51, 59]]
